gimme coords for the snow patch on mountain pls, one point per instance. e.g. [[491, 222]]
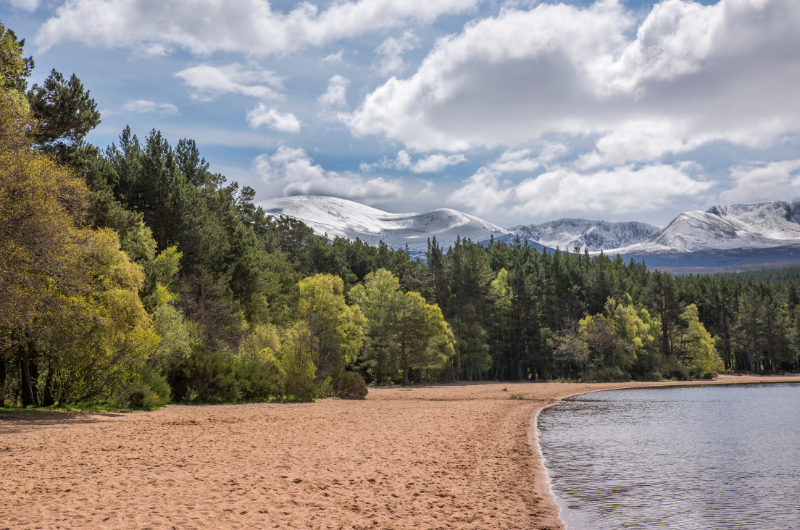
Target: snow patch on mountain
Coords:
[[336, 217], [591, 234]]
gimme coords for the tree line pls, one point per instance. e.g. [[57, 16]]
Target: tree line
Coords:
[[135, 275]]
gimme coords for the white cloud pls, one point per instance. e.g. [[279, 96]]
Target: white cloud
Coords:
[[520, 161], [430, 164], [25, 5], [515, 161], [391, 53], [261, 115], [143, 106], [336, 95], [685, 76], [210, 82], [620, 190], [482, 192], [246, 26], [333, 58], [764, 182], [436, 163], [293, 171]]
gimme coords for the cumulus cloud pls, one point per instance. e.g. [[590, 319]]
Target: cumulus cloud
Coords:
[[336, 95], [764, 182], [620, 190], [430, 164], [391, 52], [333, 58], [210, 82], [686, 75], [143, 106], [246, 26], [261, 115], [295, 173]]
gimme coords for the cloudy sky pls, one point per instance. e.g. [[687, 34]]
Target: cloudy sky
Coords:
[[517, 111]]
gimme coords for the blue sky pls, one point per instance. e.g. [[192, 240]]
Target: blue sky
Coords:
[[515, 111]]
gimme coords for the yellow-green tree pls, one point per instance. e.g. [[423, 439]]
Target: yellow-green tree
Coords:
[[102, 334], [337, 329], [697, 346], [635, 327], [295, 361], [69, 298], [14, 67], [403, 331]]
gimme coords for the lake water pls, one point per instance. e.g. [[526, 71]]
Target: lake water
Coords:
[[719, 457]]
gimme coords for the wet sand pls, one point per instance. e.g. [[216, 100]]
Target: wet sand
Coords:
[[444, 456]]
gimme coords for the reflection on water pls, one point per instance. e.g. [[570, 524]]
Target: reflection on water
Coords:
[[701, 457]]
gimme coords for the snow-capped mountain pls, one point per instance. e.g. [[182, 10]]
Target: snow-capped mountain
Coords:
[[569, 233], [735, 226], [343, 218], [732, 235], [724, 236]]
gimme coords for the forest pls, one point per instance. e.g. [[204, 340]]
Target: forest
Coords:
[[134, 275]]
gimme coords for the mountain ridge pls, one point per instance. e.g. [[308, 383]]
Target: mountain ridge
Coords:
[[723, 235]]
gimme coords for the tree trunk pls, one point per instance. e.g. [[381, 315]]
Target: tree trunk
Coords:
[[405, 364], [25, 382], [48, 388], [2, 382], [33, 368]]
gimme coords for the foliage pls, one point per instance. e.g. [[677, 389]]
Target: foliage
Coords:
[[349, 385], [14, 67], [404, 332], [697, 346], [335, 329], [147, 390], [295, 362], [65, 113]]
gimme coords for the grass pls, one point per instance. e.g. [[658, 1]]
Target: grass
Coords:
[[82, 407]]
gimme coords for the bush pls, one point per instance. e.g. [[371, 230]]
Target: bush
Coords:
[[149, 390], [349, 385], [257, 379], [203, 377], [611, 375]]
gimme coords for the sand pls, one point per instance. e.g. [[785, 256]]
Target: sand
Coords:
[[444, 456]]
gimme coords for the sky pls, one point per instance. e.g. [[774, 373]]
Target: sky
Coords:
[[517, 111]]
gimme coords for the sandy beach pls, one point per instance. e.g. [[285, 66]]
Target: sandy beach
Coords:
[[444, 456]]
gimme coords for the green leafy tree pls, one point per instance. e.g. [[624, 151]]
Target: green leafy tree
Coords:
[[15, 68], [337, 329], [65, 113], [697, 345], [405, 331]]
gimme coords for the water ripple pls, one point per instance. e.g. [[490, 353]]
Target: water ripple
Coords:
[[674, 458]]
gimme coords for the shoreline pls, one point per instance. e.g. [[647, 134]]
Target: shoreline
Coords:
[[440, 456]]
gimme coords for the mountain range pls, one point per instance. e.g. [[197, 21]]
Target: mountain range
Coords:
[[721, 237]]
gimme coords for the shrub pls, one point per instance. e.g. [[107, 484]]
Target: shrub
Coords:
[[295, 365], [148, 390], [257, 379], [203, 377], [614, 374], [349, 385]]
